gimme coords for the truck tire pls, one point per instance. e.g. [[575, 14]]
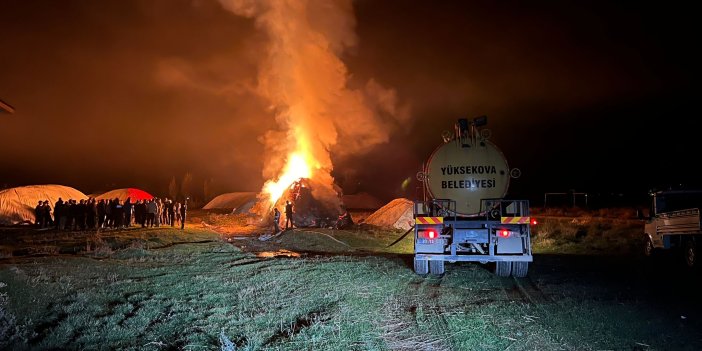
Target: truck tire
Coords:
[[421, 267], [520, 269], [436, 267], [690, 254], [503, 268]]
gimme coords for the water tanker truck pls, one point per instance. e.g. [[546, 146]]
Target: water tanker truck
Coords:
[[464, 215]]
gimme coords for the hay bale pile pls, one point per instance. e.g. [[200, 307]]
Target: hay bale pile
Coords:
[[17, 204], [396, 214]]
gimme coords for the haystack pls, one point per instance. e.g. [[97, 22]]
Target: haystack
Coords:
[[396, 214], [133, 194], [238, 202], [17, 204], [314, 205]]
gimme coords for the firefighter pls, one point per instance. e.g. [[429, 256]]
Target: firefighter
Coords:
[[288, 214], [276, 220]]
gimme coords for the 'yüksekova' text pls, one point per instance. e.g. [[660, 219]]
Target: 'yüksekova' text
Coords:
[[468, 183]]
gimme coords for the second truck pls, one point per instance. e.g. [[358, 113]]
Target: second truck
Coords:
[[674, 223]]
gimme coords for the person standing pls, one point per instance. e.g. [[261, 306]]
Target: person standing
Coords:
[[117, 213], [152, 209], [39, 214], [101, 213], [137, 212], [58, 213], [177, 211], [157, 214], [63, 218], [91, 213], [183, 212], [140, 212], [276, 220], [164, 211], [46, 215], [128, 210], [72, 207], [109, 207], [171, 212], [288, 214], [81, 209]]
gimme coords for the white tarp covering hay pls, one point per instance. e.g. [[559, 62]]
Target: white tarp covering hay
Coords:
[[239, 202], [17, 204], [396, 214]]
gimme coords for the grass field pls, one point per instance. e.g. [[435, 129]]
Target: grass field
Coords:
[[166, 289]]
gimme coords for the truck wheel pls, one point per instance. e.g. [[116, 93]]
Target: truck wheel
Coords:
[[436, 267], [421, 267], [690, 254], [520, 269], [503, 269]]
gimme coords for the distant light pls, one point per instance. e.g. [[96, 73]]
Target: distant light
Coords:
[[406, 183]]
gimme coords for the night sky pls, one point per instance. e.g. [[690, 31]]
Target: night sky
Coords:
[[591, 96]]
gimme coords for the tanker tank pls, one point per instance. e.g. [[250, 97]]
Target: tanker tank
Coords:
[[467, 172]]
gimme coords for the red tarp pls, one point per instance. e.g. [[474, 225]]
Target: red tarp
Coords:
[[133, 194]]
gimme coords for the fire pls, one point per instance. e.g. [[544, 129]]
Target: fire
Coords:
[[298, 166], [300, 163], [306, 82]]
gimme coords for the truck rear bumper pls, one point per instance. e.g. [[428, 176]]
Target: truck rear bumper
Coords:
[[475, 258]]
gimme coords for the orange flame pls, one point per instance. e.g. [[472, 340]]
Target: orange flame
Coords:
[[295, 169], [300, 164]]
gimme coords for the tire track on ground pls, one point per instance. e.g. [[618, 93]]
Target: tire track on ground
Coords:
[[415, 321], [432, 290]]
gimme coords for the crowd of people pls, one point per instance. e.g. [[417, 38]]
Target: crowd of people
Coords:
[[95, 214]]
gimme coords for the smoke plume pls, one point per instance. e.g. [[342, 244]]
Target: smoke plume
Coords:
[[303, 77]]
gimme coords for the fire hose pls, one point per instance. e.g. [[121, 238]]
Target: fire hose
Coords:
[[402, 237]]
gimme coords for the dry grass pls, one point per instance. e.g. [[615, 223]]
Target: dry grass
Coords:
[[589, 232], [619, 212], [155, 289], [560, 230]]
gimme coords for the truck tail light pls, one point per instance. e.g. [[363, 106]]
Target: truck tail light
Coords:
[[503, 233], [431, 234], [534, 222]]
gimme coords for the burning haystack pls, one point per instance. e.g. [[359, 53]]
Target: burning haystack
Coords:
[[306, 83], [314, 205]]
